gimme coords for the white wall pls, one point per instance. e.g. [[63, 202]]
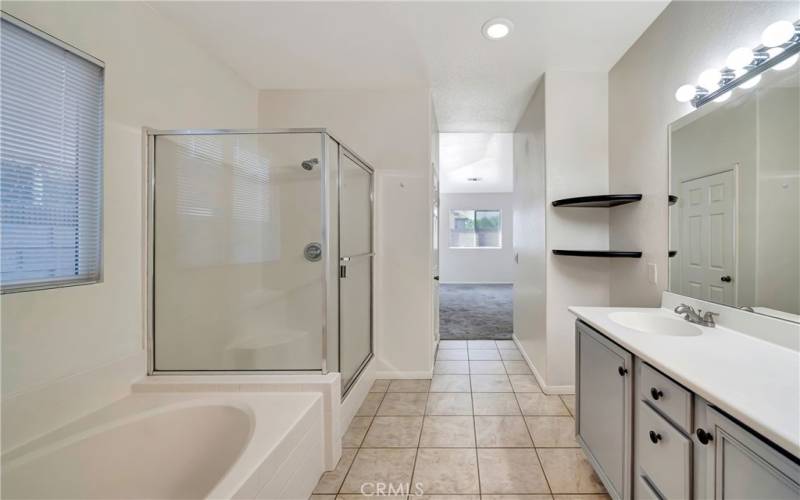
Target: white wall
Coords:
[[391, 129], [67, 351], [477, 265], [685, 39], [567, 151]]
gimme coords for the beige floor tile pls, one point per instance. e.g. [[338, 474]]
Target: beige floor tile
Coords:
[[481, 344], [524, 383], [450, 383], [517, 368], [506, 344], [380, 385], [490, 383], [516, 497], [446, 497], [534, 403], [486, 367], [511, 471], [451, 367], [373, 465], [495, 403], [322, 497], [511, 355], [449, 471], [403, 404], [452, 355], [449, 404], [331, 481], [356, 432], [582, 497], [552, 432], [410, 385], [568, 471], [452, 344], [371, 492], [569, 400], [370, 404], [447, 432], [501, 432], [393, 432], [484, 355]]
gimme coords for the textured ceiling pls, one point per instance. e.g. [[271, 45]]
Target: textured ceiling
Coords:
[[477, 85], [487, 157]]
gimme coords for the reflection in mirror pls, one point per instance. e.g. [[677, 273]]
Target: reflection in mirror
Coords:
[[735, 229]]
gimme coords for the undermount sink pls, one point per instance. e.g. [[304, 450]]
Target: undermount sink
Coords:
[[655, 323]]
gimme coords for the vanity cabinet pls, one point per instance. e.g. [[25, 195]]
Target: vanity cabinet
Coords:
[[603, 403], [648, 437]]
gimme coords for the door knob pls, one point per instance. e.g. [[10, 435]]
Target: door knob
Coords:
[[726, 279]]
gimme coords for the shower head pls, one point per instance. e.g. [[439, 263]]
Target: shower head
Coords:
[[310, 163]]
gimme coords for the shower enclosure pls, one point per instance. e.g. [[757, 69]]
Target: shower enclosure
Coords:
[[260, 253]]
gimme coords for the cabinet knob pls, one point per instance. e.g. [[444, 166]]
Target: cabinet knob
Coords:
[[655, 437], [656, 394], [622, 371], [703, 436]]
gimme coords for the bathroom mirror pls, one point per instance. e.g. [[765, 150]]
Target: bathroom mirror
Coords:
[[735, 226]]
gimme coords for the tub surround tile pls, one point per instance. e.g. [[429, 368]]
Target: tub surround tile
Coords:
[[370, 404], [502, 432], [449, 404], [452, 355], [450, 383], [517, 368], [380, 385], [410, 385], [393, 432], [331, 481], [404, 404], [447, 432], [524, 383], [568, 471], [552, 432], [533, 403], [495, 403], [511, 355], [505, 470], [490, 383], [447, 470], [451, 367], [486, 367], [356, 432], [371, 465]]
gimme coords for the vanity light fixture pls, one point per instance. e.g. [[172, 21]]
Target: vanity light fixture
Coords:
[[497, 28], [779, 50]]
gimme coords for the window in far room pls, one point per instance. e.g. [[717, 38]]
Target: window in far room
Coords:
[[475, 229]]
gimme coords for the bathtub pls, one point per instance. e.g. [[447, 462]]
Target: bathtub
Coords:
[[177, 445]]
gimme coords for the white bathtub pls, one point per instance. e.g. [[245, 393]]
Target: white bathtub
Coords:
[[187, 445]]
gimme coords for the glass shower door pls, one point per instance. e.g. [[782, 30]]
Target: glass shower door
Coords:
[[355, 266], [237, 257]]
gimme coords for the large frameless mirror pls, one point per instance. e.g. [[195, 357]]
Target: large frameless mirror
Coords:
[[735, 227]]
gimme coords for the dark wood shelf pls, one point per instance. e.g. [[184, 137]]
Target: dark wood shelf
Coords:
[[604, 200], [598, 253], [672, 199]]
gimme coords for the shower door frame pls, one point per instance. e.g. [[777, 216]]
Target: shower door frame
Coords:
[[332, 265]]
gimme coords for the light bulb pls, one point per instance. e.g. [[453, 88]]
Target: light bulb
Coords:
[[685, 93], [787, 63], [724, 97], [777, 33], [709, 79], [751, 82], [739, 58]]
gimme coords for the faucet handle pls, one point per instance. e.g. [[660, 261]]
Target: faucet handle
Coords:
[[682, 309], [708, 316]]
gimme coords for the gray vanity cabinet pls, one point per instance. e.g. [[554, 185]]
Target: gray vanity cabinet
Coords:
[[604, 396], [733, 463]]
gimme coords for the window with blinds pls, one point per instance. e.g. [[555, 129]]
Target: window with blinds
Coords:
[[51, 161]]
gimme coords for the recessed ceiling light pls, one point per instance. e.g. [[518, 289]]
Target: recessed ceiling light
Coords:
[[497, 28]]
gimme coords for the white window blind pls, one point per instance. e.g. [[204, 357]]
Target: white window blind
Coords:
[[51, 160]]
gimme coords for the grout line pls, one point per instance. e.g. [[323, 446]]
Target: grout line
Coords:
[[475, 436]]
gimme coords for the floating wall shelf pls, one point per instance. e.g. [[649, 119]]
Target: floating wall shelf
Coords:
[[598, 253], [605, 200]]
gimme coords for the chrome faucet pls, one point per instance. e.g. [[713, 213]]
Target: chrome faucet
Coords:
[[707, 319]]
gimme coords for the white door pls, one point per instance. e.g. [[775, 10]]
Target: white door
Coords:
[[435, 254], [707, 239]]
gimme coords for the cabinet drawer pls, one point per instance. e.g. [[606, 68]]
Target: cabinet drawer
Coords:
[[670, 398], [664, 453]]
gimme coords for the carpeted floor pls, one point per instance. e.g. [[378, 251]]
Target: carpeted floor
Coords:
[[475, 312]]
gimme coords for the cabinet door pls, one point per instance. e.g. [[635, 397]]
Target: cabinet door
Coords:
[[739, 465], [604, 408]]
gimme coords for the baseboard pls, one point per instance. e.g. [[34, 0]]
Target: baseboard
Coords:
[[547, 389], [404, 374], [475, 283]]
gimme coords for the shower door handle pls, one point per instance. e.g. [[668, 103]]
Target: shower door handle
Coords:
[[344, 260]]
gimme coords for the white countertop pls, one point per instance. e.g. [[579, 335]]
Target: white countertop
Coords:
[[755, 381]]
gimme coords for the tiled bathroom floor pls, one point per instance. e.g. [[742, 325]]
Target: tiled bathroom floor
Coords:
[[480, 429]]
